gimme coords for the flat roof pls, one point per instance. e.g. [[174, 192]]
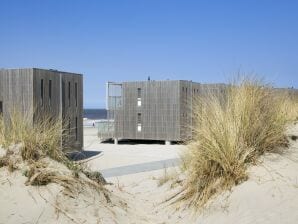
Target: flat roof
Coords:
[[44, 69]]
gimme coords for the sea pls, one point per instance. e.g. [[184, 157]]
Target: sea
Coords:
[[95, 114]]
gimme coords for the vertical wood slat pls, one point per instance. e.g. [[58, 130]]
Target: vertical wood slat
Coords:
[[160, 108], [20, 90]]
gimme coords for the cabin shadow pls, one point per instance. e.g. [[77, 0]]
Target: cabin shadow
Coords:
[[82, 155], [138, 142]]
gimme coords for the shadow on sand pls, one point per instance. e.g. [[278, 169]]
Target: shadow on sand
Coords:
[[82, 155], [137, 142]]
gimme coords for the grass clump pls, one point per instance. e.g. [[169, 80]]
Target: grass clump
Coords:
[[38, 140], [37, 150], [168, 175], [290, 107], [229, 136]]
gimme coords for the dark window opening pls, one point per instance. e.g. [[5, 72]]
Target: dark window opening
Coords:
[[69, 94], [139, 118], [69, 126], [76, 93], [1, 108], [41, 91], [50, 90], [76, 128], [139, 93], [63, 93]]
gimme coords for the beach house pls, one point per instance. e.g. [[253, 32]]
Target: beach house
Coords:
[[152, 110], [39, 93]]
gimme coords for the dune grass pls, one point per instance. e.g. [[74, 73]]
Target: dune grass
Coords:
[[229, 136], [38, 140], [37, 150], [169, 174], [290, 107]]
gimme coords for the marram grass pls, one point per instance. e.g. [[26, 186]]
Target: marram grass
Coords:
[[229, 136], [37, 142]]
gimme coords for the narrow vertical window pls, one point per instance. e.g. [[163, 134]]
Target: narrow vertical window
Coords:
[[41, 91], [69, 126], [63, 93], [1, 108], [139, 118], [76, 93], [76, 128], [50, 91], [139, 97], [69, 94], [139, 122]]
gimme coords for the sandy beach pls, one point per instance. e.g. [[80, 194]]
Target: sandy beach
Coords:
[[269, 196]]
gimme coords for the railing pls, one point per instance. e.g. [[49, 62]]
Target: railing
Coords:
[[106, 129]]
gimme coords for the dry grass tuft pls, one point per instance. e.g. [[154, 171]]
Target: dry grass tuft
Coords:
[[229, 136], [4, 161], [290, 107], [95, 176], [37, 149], [168, 175], [38, 140]]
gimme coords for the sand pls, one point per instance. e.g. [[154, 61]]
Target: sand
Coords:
[[269, 196], [126, 154]]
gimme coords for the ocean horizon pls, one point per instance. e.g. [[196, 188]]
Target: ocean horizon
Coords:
[[95, 114]]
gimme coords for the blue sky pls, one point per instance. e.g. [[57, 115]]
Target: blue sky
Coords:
[[203, 41]]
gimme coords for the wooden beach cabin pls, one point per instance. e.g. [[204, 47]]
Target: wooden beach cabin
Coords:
[[40, 92], [152, 110]]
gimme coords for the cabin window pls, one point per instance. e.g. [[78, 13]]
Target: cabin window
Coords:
[[139, 118], [76, 128], [63, 93], [76, 93], [69, 94], [139, 100], [139, 122], [50, 90], [41, 91], [69, 126], [1, 108]]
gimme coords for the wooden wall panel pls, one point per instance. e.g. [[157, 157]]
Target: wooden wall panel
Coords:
[[20, 90], [16, 91], [167, 108], [159, 111]]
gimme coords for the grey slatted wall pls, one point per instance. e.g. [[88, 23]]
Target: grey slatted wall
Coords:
[[21, 90]]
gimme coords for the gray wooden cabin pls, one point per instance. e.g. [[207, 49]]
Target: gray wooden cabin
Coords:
[[50, 93], [152, 110]]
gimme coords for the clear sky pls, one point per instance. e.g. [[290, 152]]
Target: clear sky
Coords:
[[203, 41]]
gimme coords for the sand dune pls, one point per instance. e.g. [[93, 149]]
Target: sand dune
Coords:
[[269, 196]]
